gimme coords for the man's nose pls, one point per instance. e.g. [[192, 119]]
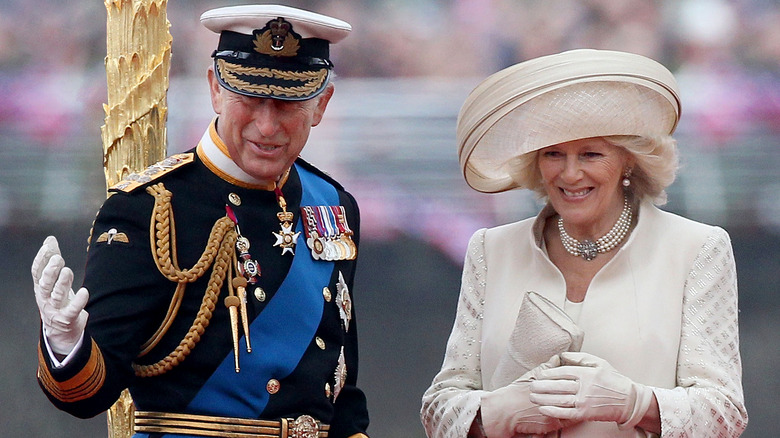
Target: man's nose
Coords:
[[266, 116]]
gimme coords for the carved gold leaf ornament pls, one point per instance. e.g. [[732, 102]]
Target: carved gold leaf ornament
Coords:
[[138, 54]]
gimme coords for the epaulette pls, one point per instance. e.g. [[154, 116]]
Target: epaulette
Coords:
[[153, 172]]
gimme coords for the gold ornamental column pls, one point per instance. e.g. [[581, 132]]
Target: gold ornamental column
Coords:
[[138, 54]]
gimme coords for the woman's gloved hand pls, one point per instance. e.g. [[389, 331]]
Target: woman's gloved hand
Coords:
[[587, 388], [508, 411]]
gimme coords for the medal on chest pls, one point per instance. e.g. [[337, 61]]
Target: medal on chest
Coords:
[[327, 232], [247, 266], [340, 375], [286, 238], [344, 301]]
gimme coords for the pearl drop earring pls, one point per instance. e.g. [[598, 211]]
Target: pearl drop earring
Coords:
[[626, 175]]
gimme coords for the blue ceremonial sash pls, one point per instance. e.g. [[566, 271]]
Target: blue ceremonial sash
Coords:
[[281, 333]]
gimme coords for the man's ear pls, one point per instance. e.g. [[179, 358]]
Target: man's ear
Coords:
[[215, 89], [322, 103]]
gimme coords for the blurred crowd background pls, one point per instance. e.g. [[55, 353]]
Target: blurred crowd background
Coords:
[[389, 137]]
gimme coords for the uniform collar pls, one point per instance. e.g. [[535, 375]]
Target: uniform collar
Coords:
[[214, 154]]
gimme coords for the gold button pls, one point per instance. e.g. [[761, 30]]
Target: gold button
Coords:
[[326, 294], [234, 199], [260, 294], [272, 386], [327, 390], [320, 342]]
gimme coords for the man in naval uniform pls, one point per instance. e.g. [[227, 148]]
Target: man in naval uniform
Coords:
[[218, 283]]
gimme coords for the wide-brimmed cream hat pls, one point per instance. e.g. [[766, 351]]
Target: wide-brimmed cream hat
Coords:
[[557, 98]]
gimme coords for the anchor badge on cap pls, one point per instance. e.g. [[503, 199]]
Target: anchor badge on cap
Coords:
[[277, 39]]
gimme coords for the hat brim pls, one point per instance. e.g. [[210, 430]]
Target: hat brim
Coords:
[[559, 98], [271, 82]]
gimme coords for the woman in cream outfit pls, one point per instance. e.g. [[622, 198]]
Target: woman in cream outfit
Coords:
[[631, 326]]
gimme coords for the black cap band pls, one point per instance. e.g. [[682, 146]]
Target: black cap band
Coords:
[[310, 52]]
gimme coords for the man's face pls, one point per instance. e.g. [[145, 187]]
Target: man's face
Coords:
[[264, 136]]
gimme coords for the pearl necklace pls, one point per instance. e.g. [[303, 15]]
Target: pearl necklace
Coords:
[[589, 249]]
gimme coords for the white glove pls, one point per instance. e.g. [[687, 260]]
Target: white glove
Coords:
[[587, 388], [508, 412], [62, 311]]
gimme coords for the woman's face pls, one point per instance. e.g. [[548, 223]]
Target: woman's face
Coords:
[[582, 179]]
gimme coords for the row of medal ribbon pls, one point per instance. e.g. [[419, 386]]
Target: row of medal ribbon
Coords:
[[327, 232]]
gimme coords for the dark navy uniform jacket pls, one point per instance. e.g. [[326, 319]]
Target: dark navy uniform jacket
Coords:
[[297, 333]]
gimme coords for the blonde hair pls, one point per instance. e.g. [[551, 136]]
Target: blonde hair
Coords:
[[656, 164]]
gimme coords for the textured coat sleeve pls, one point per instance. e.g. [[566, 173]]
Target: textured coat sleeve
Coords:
[[708, 399], [450, 404]]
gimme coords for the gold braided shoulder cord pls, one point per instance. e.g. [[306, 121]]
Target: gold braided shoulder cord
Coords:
[[219, 251]]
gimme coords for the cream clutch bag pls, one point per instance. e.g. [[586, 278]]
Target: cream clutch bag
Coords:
[[542, 330]]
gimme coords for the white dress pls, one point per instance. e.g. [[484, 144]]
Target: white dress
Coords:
[[663, 312]]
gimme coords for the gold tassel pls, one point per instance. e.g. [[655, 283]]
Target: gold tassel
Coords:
[[232, 302], [240, 284]]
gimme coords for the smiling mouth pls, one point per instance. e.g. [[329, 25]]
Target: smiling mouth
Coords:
[[578, 193], [265, 147]]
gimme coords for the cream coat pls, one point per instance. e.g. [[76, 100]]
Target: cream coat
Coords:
[[663, 312]]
